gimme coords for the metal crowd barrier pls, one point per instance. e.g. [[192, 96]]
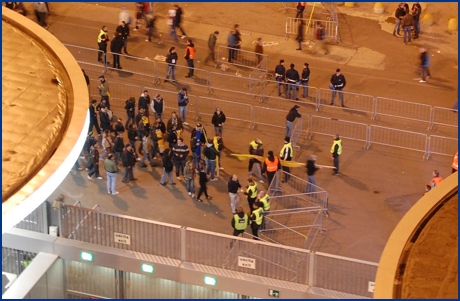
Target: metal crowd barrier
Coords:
[[244, 58], [443, 116], [297, 131], [87, 57], [13, 260], [352, 101], [233, 110], [36, 221], [132, 64], [442, 146], [233, 84], [269, 117], [401, 109], [292, 25], [270, 91]]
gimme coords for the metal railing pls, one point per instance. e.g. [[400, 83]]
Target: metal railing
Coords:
[[292, 24], [36, 221], [297, 131], [443, 116], [87, 57], [270, 92], [401, 109], [243, 58], [352, 101], [441, 146], [233, 110]]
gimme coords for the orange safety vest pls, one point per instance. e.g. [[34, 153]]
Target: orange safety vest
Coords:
[[435, 181], [455, 162], [272, 166], [192, 52]]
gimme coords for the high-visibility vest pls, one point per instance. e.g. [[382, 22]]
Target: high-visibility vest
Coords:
[[435, 181], [192, 52], [241, 222], [252, 187], [291, 154], [99, 37], [253, 144], [266, 201], [455, 162], [272, 166], [259, 216], [337, 142]]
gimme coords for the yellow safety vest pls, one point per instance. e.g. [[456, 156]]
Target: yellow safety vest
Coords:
[[339, 150], [99, 37], [259, 216], [253, 144], [266, 201], [287, 145], [254, 190], [241, 223]]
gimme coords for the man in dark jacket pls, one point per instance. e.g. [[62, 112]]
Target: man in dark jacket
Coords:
[[178, 20], [93, 117], [129, 159], [118, 147], [312, 168], [338, 82], [116, 46], [218, 120], [280, 74], [94, 157], [171, 59], [290, 117], [233, 187], [105, 119], [144, 102], [304, 79], [210, 155], [180, 152], [130, 107], [158, 106], [232, 43], [407, 23], [212, 40], [123, 28], [293, 78], [399, 14]]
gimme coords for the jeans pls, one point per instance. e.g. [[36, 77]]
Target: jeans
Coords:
[[407, 33], [211, 167], [111, 182], [305, 89], [234, 201], [311, 188], [180, 165], [258, 172], [398, 22], [190, 185], [166, 174], [128, 174], [291, 86], [334, 92], [76, 165], [416, 28], [171, 71], [425, 72], [281, 83], [231, 53], [173, 33], [182, 113], [94, 170], [289, 126], [148, 156], [336, 164], [218, 129], [191, 67]]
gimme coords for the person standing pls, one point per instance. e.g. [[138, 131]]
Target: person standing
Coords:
[[210, 155], [312, 168], [219, 146], [416, 11], [436, 179], [232, 43], [189, 176], [300, 33], [102, 40], [286, 154], [336, 151], [199, 137], [255, 148], [130, 107], [264, 198], [240, 222], [259, 50], [178, 20], [167, 168], [104, 90], [94, 158], [107, 144], [123, 29], [93, 122], [257, 218], [424, 65], [115, 47], [212, 41], [290, 117], [180, 153], [129, 159], [455, 163], [399, 14], [407, 24], [300, 9], [280, 75], [251, 193], [147, 147], [144, 103], [293, 78], [218, 120], [158, 106], [112, 169], [189, 56], [104, 117], [233, 187], [203, 178], [304, 79], [171, 59], [338, 82], [238, 40], [182, 99], [174, 120], [172, 137], [271, 165], [118, 147], [41, 11]]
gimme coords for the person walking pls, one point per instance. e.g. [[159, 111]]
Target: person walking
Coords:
[[286, 154], [293, 79], [105, 119], [103, 89], [189, 176], [320, 39], [455, 163], [251, 193], [107, 144], [167, 168], [130, 107], [152, 31], [300, 33], [94, 158], [180, 153], [203, 179], [259, 50], [218, 120], [182, 99], [178, 20], [399, 14], [280, 75], [115, 47], [424, 65], [112, 169], [233, 187], [436, 179], [212, 41], [255, 166], [139, 14], [147, 147], [124, 16], [290, 117], [118, 147], [102, 40], [123, 29], [312, 168], [271, 165], [210, 155], [158, 106], [407, 24], [171, 59], [300, 9], [129, 159], [144, 103], [93, 122], [240, 222], [170, 23], [41, 12], [256, 219], [189, 56], [338, 82], [232, 43], [336, 151], [304, 79]]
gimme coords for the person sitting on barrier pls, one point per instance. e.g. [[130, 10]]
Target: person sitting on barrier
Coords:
[[256, 219], [436, 179], [280, 74], [240, 222]]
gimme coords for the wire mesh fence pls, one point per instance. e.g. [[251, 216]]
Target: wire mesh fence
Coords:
[[233, 111], [351, 101], [401, 109], [444, 116], [442, 146], [241, 58]]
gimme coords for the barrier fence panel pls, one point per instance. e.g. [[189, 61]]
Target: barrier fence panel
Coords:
[[233, 84], [132, 64], [15, 261], [270, 92], [269, 117], [122, 232], [345, 129], [225, 251], [444, 116], [233, 110], [36, 221], [171, 102], [297, 131], [352, 101], [256, 85], [330, 27], [243, 58], [442, 145], [398, 138], [402, 109], [86, 56], [350, 275]]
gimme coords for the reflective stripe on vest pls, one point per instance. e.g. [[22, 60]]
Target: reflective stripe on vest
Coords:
[[339, 143], [99, 37], [287, 145], [259, 216], [455, 162], [266, 201], [272, 166], [241, 222], [192, 52], [252, 187]]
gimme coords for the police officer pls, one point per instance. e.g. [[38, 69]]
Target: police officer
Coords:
[[292, 77], [338, 82], [286, 154], [240, 222], [304, 79], [251, 193], [102, 40], [256, 219], [280, 73], [336, 151]]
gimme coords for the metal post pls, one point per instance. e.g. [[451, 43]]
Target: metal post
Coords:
[[45, 217], [311, 269], [183, 244]]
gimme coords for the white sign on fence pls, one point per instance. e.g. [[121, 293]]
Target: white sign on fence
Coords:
[[122, 238], [371, 287], [246, 262]]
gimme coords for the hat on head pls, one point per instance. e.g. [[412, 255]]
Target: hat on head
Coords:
[[270, 153], [296, 107], [258, 141], [287, 139]]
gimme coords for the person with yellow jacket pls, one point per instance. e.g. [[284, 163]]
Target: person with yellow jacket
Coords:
[[336, 151], [271, 165], [102, 40], [264, 198], [455, 163], [251, 193], [219, 146], [286, 154], [257, 218], [189, 56], [240, 222]]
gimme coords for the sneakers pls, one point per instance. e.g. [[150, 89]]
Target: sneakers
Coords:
[[261, 181], [221, 168], [199, 200], [422, 81], [190, 193], [99, 178], [89, 178], [164, 184], [115, 193], [80, 169], [193, 195], [178, 178], [215, 179], [109, 192], [183, 37], [209, 197], [185, 123]]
